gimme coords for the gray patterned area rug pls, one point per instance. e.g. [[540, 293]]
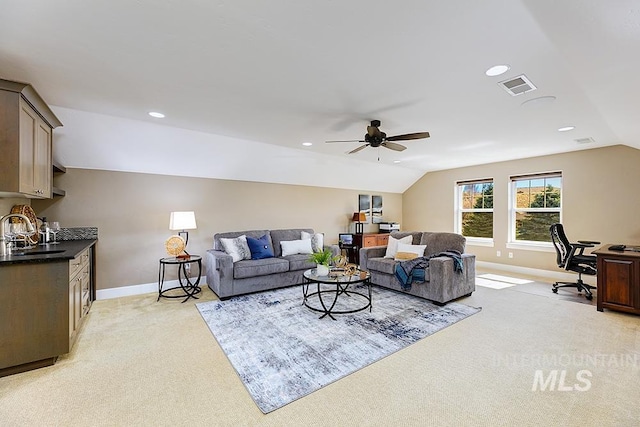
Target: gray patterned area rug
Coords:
[[283, 351]]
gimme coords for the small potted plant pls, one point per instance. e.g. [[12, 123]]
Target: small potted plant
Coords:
[[322, 260]]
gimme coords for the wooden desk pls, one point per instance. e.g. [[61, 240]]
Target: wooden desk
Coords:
[[351, 252], [618, 280]]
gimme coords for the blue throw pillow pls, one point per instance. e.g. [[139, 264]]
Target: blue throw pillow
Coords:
[[260, 248]]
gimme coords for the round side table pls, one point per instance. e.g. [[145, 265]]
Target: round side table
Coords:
[[190, 289]]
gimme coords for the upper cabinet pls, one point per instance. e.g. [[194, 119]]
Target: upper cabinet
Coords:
[[26, 131]]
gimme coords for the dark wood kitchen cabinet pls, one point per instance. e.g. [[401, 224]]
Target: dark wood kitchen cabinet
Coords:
[[43, 306], [26, 134]]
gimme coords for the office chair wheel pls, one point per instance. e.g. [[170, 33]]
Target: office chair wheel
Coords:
[[589, 297], [554, 290]]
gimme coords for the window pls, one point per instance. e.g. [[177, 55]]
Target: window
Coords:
[[475, 209], [536, 202]]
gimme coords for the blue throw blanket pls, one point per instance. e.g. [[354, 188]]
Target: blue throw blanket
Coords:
[[413, 270]]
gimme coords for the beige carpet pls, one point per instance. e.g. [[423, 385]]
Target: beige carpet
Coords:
[[139, 362]]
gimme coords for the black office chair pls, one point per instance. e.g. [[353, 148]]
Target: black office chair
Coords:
[[570, 256]]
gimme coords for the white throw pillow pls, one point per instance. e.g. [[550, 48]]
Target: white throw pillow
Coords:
[[237, 247], [392, 245], [292, 247], [414, 249], [317, 240]]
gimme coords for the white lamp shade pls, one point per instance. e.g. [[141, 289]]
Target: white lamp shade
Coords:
[[182, 221]]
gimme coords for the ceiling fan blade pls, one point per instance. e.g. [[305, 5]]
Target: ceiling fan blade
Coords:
[[358, 149], [393, 146], [350, 140], [407, 136]]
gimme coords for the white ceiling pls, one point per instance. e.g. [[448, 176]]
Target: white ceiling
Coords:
[[283, 72]]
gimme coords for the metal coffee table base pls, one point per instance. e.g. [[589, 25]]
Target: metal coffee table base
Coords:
[[329, 297]]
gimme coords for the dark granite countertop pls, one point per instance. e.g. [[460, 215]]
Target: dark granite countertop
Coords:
[[65, 250]]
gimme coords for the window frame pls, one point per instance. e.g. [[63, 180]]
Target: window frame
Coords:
[[459, 210], [513, 242]]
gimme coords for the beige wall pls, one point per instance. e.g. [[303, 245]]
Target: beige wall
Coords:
[[600, 200], [7, 203], [131, 211]]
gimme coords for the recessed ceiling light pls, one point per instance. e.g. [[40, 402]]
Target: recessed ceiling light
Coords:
[[496, 70], [307, 144], [566, 128], [397, 161], [156, 115]]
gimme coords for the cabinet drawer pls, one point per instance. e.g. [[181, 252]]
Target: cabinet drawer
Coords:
[[74, 267], [383, 240], [78, 262], [84, 257], [369, 241], [81, 279]]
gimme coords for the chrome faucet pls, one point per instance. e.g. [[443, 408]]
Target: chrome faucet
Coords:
[[5, 248]]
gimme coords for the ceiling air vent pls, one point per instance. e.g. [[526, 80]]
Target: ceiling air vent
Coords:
[[517, 85], [584, 140]]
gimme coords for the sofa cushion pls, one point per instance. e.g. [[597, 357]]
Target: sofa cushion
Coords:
[[418, 250], [299, 262], [260, 248], [317, 240], [392, 245], [278, 236], [383, 265], [442, 242], [293, 247], [237, 247], [415, 236], [256, 234], [405, 256], [388, 266], [259, 267]]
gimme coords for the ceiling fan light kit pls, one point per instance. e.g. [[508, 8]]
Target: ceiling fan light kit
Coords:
[[376, 138]]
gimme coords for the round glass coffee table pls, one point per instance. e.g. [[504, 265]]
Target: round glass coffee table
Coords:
[[328, 289]]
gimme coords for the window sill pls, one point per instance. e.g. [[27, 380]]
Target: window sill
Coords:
[[540, 247], [475, 241]]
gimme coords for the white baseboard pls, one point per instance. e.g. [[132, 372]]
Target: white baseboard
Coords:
[[527, 271], [146, 288]]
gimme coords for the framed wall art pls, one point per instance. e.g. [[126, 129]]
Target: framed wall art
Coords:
[[376, 209], [364, 205]]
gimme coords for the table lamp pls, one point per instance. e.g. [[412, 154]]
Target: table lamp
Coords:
[[360, 217], [183, 221]]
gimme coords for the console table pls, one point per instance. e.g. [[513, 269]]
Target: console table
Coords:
[[618, 280]]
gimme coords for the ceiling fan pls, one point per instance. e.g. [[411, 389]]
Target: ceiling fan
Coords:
[[376, 138]]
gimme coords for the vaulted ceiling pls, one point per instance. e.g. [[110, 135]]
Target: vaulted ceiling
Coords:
[[284, 72]]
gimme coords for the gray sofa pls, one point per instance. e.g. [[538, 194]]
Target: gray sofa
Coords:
[[442, 284], [228, 279]]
